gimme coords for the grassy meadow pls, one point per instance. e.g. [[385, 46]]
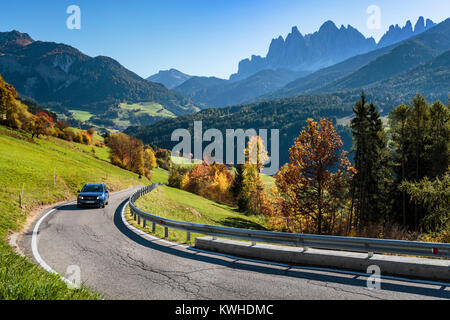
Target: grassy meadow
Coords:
[[49, 170], [181, 205]]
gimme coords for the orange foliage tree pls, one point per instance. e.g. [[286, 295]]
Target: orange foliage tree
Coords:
[[211, 181], [41, 125], [130, 154], [312, 187]]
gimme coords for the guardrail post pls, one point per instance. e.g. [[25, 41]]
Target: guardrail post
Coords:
[[139, 220], [166, 232], [134, 217], [144, 222], [153, 227], [188, 236]]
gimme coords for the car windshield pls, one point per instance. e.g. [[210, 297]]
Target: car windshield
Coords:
[[92, 188]]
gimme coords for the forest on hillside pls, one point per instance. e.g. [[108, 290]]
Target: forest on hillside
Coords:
[[397, 187]]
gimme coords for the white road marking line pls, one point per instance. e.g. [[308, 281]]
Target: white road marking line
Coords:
[[34, 240], [34, 248], [361, 274]]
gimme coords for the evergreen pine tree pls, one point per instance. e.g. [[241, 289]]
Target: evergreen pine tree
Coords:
[[371, 182]]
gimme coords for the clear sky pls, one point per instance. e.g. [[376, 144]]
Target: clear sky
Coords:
[[198, 37]]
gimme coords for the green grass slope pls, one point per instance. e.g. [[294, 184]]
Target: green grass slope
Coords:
[[33, 164], [181, 205]]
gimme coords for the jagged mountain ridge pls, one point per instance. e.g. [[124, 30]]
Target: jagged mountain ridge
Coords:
[[328, 46], [397, 34], [360, 71], [59, 76]]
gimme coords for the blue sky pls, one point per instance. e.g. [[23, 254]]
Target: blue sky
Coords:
[[198, 37]]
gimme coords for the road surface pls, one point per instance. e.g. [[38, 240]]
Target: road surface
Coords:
[[120, 264]]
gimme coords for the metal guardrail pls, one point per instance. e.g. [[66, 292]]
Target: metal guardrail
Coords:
[[369, 245]]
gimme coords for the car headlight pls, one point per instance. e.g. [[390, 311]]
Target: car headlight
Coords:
[[80, 197], [98, 198]]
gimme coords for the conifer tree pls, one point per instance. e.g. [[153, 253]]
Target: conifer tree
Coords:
[[371, 182]]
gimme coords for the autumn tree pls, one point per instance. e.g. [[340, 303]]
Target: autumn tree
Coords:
[[211, 181], [149, 158], [130, 154], [251, 196], [13, 113], [118, 144], [256, 153], [41, 125], [313, 183]]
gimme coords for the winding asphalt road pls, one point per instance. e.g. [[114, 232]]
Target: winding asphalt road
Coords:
[[122, 264]]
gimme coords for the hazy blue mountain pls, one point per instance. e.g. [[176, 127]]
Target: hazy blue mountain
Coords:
[[61, 77], [397, 34], [326, 47], [362, 70], [405, 55], [214, 92], [170, 78], [324, 76], [197, 86], [432, 79]]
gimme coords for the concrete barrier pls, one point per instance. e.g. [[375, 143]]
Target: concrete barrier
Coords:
[[409, 267]]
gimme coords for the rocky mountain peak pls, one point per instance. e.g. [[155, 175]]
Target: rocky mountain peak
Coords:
[[397, 34], [420, 25], [14, 39]]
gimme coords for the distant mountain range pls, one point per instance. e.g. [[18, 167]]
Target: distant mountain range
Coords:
[[390, 76], [60, 77], [361, 71], [326, 47], [170, 78], [332, 51], [215, 92], [311, 52], [396, 33]]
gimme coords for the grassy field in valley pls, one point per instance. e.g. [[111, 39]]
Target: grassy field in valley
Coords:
[[150, 108], [184, 206], [81, 115], [36, 165]]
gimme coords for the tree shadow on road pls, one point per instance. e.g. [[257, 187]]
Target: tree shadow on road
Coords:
[[317, 275]]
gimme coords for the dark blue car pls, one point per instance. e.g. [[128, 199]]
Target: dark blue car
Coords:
[[93, 195]]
